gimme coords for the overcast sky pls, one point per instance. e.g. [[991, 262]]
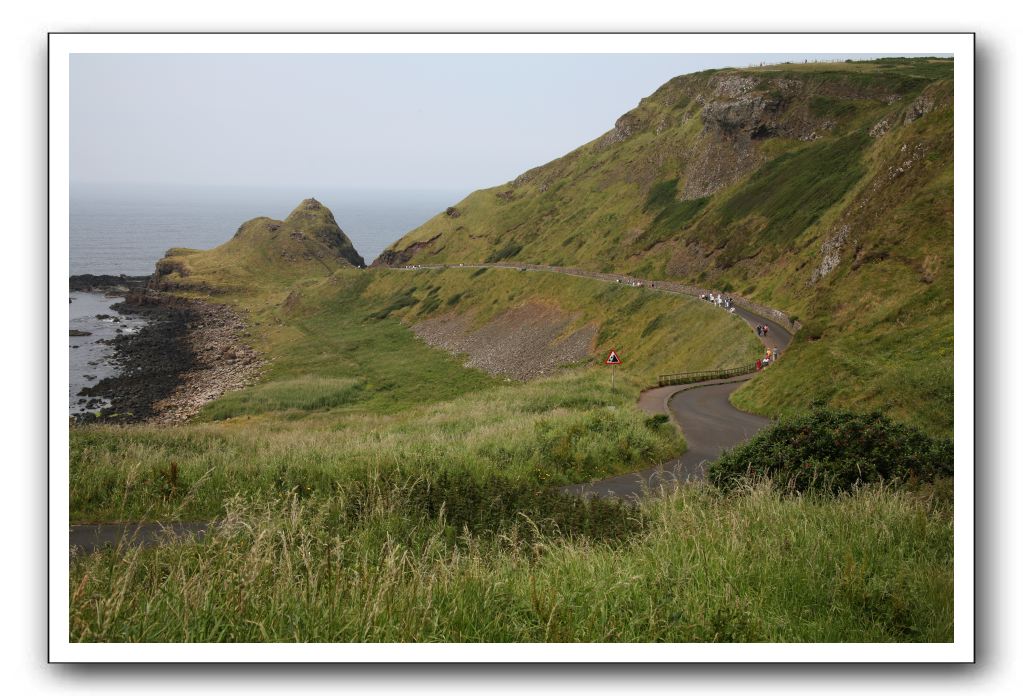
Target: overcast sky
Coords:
[[364, 121]]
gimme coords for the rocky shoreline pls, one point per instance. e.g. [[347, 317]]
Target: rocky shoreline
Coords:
[[188, 354], [112, 284]]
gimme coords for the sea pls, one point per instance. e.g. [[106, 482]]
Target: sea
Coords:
[[126, 229]]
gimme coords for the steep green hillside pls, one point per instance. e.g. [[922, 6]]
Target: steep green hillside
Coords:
[[822, 190]]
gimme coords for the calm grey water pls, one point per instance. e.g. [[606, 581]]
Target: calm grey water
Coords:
[[126, 230], [90, 355]]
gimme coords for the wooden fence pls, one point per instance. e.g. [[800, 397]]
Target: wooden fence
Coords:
[[691, 377]]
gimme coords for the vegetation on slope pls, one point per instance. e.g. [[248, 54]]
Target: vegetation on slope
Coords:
[[822, 190], [654, 333], [350, 392]]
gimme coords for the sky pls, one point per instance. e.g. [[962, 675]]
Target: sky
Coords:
[[354, 121]]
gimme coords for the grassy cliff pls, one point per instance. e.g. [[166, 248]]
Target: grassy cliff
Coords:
[[822, 190]]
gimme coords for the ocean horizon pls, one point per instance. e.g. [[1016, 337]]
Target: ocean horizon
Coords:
[[125, 229]]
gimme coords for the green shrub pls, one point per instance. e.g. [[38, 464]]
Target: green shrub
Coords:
[[657, 420], [833, 451]]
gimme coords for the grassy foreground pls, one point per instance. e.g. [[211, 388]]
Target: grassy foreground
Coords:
[[873, 566], [371, 488]]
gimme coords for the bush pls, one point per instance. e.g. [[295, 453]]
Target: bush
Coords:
[[833, 451]]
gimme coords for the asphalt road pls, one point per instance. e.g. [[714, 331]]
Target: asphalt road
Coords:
[[707, 419], [710, 425], [90, 537]]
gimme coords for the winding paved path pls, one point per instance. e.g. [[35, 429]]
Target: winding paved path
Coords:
[[707, 419], [702, 410]]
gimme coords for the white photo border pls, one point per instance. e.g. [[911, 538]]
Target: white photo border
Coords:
[[960, 45]]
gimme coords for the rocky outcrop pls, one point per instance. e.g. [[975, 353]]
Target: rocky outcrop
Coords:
[[120, 284], [627, 125], [921, 106], [831, 253], [400, 257], [311, 220]]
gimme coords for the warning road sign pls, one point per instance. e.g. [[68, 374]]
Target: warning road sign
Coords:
[[613, 359]]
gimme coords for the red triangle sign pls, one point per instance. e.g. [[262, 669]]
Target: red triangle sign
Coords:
[[613, 359]]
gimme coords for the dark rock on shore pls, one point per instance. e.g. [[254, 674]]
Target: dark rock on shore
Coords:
[[150, 361], [188, 353], [77, 332], [88, 282]]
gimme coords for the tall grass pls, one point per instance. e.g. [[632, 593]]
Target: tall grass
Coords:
[[553, 431], [875, 565]]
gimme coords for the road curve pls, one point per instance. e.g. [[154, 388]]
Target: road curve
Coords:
[[702, 410], [707, 419]]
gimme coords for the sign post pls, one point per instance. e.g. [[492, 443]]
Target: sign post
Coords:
[[613, 360]]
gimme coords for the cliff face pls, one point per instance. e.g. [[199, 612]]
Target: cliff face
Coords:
[[823, 190]]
